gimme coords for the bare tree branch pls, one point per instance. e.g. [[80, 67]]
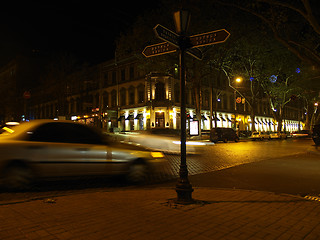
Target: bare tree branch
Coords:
[[307, 15], [311, 60]]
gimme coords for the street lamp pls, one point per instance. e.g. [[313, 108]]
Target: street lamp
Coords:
[[183, 188], [238, 79], [181, 21]]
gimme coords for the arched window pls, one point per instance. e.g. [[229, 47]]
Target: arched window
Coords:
[[113, 98], [131, 92], [140, 93], [105, 100], [123, 97], [160, 91]]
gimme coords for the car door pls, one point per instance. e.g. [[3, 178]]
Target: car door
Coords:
[[97, 157], [62, 149]]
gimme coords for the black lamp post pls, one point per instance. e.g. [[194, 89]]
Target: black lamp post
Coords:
[[183, 188]]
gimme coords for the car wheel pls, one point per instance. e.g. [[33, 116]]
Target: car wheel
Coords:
[[138, 173], [17, 177], [225, 140]]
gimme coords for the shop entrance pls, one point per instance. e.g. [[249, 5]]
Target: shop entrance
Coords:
[[159, 119]]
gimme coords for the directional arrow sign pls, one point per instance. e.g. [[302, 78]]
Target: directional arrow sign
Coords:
[[195, 52], [158, 49], [167, 35], [165, 47], [209, 38]]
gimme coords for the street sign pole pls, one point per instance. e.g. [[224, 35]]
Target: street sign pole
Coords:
[[183, 187], [184, 44]]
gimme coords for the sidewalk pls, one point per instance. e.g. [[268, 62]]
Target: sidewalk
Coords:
[[147, 213]]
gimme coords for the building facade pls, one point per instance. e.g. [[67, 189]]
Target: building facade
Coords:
[[118, 96]]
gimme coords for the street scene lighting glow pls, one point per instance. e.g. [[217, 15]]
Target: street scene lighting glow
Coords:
[[238, 79]]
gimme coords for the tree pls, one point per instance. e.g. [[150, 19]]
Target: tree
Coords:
[[293, 24], [309, 96]]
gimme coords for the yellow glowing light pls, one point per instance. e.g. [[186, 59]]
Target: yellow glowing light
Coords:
[[238, 79], [8, 129], [157, 154]]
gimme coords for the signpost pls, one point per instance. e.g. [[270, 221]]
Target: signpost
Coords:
[[184, 44], [165, 47], [158, 49], [167, 35], [209, 38]]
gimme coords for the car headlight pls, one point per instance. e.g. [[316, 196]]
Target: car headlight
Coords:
[[157, 155]]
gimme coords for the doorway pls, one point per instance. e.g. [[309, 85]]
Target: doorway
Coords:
[[160, 119]]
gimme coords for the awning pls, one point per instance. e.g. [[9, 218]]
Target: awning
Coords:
[[189, 116], [139, 115], [202, 117], [121, 118], [130, 117]]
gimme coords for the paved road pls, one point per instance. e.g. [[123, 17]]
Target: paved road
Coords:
[[291, 167], [226, 155], [214, 157]]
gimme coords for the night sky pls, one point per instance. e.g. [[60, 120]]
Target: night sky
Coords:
[[87, 29]]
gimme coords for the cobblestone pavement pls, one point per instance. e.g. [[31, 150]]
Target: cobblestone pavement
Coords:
[[226, 155], [143, 214]]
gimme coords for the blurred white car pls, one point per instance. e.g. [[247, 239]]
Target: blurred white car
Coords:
[[259, 136], [54, 149], [163, 140], [278, 135]]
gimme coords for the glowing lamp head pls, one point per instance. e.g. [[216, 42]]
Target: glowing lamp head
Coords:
[[238, 79]]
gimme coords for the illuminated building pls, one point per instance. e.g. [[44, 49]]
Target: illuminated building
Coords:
[[119, 96]]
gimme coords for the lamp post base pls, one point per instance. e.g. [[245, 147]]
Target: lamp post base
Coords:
[[184, 193]]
